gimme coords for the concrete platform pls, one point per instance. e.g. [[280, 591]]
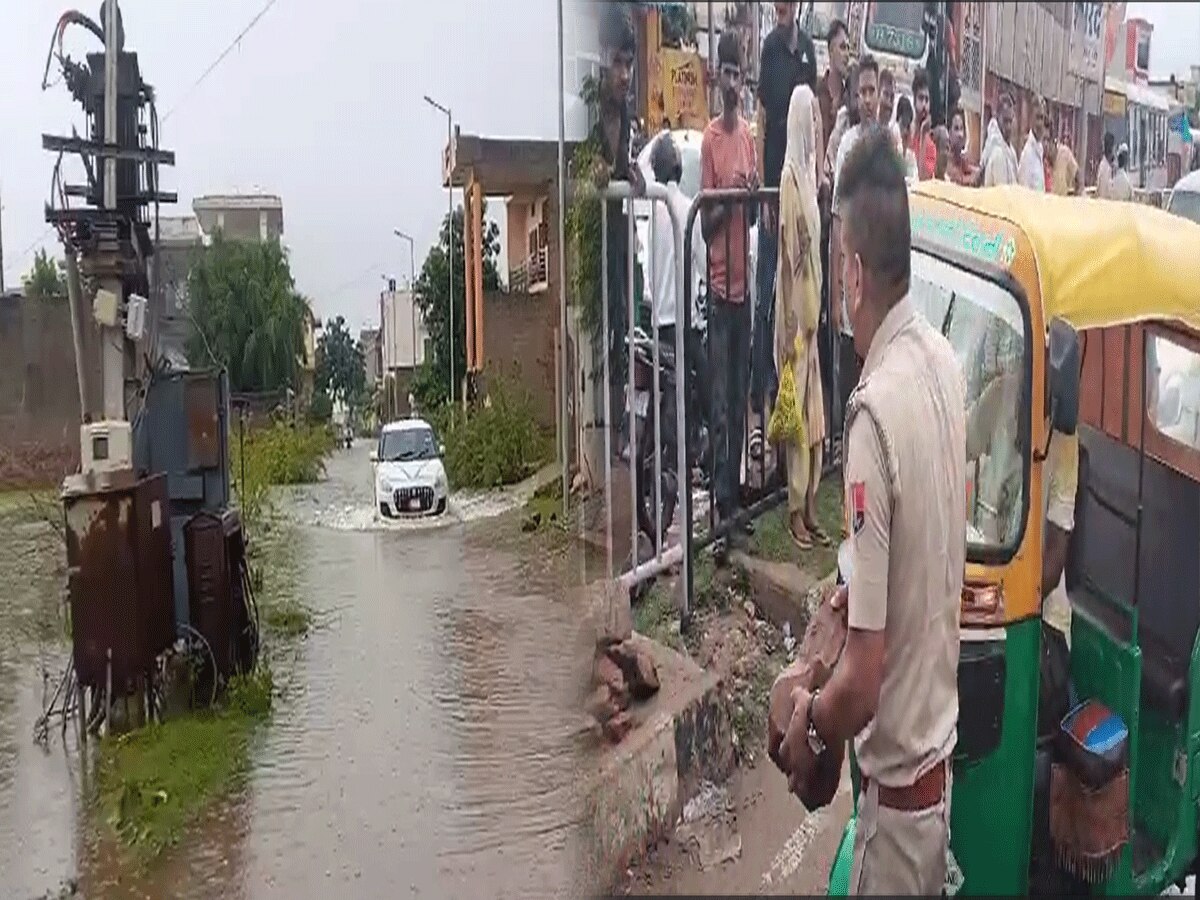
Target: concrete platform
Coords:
[[783, 592], [682, 738]]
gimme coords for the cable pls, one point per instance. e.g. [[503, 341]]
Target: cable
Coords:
[[262, 12]]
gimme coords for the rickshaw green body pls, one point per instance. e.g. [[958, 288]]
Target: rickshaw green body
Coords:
[[1114, 273]]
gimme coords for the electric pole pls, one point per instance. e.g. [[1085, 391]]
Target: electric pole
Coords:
[[1, 239], [450, 226]]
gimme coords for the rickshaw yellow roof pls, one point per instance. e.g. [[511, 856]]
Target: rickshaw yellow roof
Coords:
[[1099, 262]]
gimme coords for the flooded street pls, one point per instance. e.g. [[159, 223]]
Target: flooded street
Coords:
[[424, 743]]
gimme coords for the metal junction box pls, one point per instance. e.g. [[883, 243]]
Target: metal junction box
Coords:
[[119, 578]]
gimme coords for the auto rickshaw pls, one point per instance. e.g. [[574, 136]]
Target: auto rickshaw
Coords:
[[1091, 309]]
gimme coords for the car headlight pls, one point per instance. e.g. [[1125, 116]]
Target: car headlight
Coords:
[[441, 480]]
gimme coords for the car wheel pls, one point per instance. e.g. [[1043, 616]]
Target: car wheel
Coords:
[[441, 507]]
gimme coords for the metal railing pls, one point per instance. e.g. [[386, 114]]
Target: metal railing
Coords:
[[664, 558], [532, 272]]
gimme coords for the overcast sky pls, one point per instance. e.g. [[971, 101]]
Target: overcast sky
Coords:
[[321, 104]]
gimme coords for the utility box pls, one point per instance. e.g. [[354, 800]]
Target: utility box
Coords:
[[105, 447], [119, 578], [218, 608]]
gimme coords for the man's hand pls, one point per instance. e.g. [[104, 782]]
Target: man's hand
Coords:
[[779, 714], [795, 755], [637, 180], [840, 597]]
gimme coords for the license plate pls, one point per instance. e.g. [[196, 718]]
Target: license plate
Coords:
[[641, 400], [414, 504]]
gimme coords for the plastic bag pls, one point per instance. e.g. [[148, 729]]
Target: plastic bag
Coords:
[[787, 421]]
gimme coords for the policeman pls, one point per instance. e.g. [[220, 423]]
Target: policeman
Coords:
[[894, 690]]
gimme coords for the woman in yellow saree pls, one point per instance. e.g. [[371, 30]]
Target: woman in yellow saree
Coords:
[[799, 420]]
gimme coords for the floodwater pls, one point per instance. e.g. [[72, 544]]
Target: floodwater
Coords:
[[426, 742]]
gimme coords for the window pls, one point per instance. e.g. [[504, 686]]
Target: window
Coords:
[[1186, 204], [984, 325], [1173, 390]]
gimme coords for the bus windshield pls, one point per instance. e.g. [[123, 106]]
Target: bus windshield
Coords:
[[818, 16], [984, 325], [896, 28]]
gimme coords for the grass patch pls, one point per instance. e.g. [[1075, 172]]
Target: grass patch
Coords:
[[656, 618], [494, 444], [772, 539], [749, 715], [273, 566], [152, 783]]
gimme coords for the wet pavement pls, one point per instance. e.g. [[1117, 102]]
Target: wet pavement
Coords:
[[425, 743]]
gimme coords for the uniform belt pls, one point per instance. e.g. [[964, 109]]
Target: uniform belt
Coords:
[[924, 793]]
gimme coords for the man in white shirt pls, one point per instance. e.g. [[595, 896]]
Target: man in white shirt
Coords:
[[1031, 171], [998, 157], [1104, 173], [664, 288], [1122, 187]]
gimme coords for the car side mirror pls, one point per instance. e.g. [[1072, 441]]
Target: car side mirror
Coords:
[[1063, 376], [374, 456], [441, 449]]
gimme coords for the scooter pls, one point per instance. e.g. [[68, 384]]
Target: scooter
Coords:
[[641, 413]]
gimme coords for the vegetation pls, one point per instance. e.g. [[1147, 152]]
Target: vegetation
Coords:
[[153, 782], [582, 224], [431, 386], [278, 454], [46, 279], [341, 366], [495, 443], [246, 314], [773, 541]]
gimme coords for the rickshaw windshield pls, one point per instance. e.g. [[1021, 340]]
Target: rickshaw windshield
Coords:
[[984, 325]]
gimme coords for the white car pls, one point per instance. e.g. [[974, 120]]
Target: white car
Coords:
[[1185, 198], [410, 479]]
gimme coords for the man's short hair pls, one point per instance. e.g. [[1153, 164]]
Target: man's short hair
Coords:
[[836, 27], [904, 111], [886, 77], [1123, 158], [616, 30], [920, 81], [664, 158], [729, 50], [868, 63], [1006, 102], [873, 199]]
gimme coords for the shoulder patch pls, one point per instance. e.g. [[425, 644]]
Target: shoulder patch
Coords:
[[858, 506]]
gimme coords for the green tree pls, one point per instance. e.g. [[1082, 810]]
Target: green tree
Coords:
[[45, 280], [246, 314], [341, 365], [431, 386]]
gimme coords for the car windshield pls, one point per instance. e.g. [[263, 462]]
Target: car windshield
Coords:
[[1186, 204], [983, 323], [409, 444]]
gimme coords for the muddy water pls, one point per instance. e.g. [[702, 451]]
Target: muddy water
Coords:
[[424, 746]]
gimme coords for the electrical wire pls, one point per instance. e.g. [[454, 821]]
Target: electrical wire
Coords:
[[236, 41]]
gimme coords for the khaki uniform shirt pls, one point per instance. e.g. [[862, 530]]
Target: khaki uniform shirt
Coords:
[[905, 476]]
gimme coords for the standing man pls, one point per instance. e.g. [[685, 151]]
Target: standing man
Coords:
[[999, 158], [895, 688], [1104, 174], [1064, 169], [960, 170], [923, 145], [613, 133], [832, 93], [727, 160], [867, 81], [1121, 187], [1031, 170], [789, 59]]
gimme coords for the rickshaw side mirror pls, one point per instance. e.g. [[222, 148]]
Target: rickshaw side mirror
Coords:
[[441, 449], [1063, 376]]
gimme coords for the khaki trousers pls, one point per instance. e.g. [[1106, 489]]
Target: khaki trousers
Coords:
[[898, 852]]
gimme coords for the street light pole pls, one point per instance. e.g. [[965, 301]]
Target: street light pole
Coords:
[[412, 289], [450, 227], [562, 269]]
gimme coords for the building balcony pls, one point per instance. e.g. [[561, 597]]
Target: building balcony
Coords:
[[532, 275]]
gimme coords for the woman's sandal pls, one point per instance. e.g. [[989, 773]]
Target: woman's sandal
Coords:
[[819, 535], [804, 543]]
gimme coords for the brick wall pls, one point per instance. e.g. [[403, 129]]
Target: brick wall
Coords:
[[39, 401], [518, 344]]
